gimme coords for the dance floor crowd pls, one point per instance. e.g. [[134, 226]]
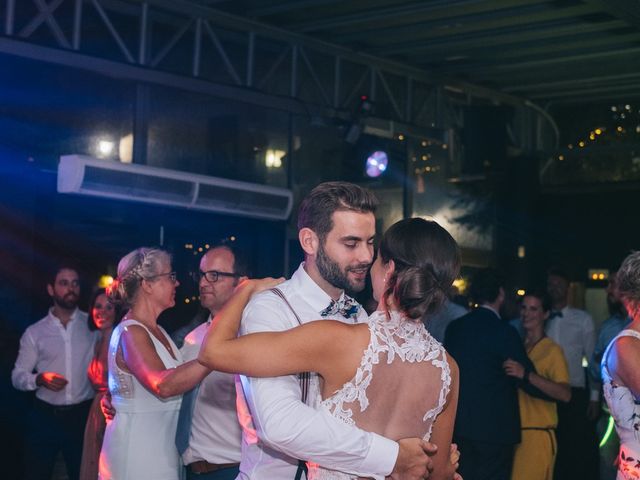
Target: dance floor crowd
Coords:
[[292, 379]]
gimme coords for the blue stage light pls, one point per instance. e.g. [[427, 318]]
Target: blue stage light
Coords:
[[377, 164]]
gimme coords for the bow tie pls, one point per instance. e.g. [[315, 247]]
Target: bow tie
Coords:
[[345, 306], [555, 313]]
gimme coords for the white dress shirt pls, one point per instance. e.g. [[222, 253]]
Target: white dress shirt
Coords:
[[576, 335], [277, 427], [47, 346], [215, 431]]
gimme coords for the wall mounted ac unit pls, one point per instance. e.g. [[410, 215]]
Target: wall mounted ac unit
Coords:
[[140, 183]]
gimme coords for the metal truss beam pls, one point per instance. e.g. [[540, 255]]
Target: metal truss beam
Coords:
[[194, 47]]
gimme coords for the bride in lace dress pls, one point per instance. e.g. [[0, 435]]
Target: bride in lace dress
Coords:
[[387, 376]]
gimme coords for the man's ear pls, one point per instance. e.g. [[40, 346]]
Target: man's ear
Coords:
[[50, 289], [501, 294], [309, 241]]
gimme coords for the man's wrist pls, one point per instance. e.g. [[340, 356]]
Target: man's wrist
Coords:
[[382, 456]]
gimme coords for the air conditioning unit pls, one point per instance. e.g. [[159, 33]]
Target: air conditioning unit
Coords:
[[86, 175]]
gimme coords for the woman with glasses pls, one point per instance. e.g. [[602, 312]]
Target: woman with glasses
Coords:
[[146, 373]]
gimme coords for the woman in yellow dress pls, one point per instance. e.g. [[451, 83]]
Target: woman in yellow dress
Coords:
[[535, 455]]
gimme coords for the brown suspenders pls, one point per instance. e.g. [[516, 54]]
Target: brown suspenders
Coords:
[[304, 383]]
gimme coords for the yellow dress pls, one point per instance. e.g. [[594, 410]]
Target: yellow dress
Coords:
[[535, 455]]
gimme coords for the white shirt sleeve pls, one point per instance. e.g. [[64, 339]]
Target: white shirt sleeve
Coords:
[[22, 376], [283, 422]]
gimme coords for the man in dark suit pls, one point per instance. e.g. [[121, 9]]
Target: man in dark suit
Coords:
[[488, 419]]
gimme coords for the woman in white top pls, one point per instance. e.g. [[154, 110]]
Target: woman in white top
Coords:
[[146, 374], [388, 376], [621, 375]]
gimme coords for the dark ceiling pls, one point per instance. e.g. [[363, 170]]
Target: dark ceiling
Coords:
[[568, 51]]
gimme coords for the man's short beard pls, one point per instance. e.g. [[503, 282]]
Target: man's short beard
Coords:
[[65, 304], [331, 272]]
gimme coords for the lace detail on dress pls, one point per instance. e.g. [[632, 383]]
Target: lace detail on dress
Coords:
[[415, 363], [408, 340]]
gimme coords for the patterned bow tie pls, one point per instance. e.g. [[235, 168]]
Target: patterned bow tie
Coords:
[[345, 306], [555, 313]]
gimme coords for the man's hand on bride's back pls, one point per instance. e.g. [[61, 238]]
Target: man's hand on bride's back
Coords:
[[414, 459]]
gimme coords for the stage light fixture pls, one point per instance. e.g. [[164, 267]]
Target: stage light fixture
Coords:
[[377, 164], [105, 147]]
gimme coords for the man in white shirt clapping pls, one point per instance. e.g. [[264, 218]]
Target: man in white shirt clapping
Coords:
[[52, 361]]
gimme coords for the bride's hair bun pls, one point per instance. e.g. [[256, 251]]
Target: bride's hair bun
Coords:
[[427, 261], [417, 292]]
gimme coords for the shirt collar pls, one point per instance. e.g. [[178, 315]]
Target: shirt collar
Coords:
[[73, 317], [304, 285], [490, 308]]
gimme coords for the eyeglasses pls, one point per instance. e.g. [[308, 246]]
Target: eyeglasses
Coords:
[[172, 276], [212, 276]]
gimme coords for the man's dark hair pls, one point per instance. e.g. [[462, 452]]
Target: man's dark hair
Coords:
[[53, 271], [240, 259], [317, 208], [485, 285], [558, 272]]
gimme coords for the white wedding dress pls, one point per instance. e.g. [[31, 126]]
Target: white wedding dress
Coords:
[[139, 443], [399, 388]]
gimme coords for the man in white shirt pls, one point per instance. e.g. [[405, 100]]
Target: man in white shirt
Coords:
[[54, 355], [573, 329], [336, 226], [210, 445]]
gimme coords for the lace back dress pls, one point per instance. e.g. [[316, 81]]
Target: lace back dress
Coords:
[[399, 388], [626, 414]]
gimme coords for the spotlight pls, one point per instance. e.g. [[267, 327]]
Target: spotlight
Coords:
[[377, 164], [105, 148]]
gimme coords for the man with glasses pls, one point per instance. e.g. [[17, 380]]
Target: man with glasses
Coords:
[[54, 355], [209, 435], [222, 269]]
